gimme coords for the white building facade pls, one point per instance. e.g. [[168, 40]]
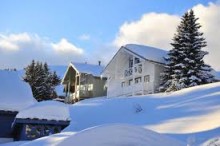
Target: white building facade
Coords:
[[134, 70]]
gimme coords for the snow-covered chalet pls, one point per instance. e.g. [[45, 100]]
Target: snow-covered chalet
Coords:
[[15, 95], [134, 70], [82, 81]]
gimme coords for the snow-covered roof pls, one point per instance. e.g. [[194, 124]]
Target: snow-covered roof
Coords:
[[93, 69], [15, 94], [149, 53], [49, 110]]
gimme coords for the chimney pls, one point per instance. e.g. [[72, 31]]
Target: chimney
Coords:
[[99, 63]]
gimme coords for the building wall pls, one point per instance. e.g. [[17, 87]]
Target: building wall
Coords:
[[150, 71], [99, 88], [116, 75], [6, 120], [92, 86], [83, 88], [158, 70]]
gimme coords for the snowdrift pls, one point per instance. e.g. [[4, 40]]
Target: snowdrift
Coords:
[[192, 112], [108, 135], [119, 135], [212, 142]]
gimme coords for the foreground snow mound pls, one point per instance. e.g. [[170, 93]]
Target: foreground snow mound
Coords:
[[15, 94], [48, 110], [212, 142], [119, 135]]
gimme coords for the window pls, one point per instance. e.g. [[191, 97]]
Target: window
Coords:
[[90, 87], [137, 80], [136, 60], [130, 62], [122, 84], [130, 82], [82, 87], [147, 78]]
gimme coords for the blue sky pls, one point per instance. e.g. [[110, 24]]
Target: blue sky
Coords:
[[88, 25], [70, 18]]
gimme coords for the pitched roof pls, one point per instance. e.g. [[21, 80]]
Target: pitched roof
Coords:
[[146, 52], [95, 70], [15, 94]]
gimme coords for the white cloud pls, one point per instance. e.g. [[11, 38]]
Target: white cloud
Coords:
[[12, 42], [152, 29], [155, 29], [17, 50], [84, 37], [210, 20], [66, 47]]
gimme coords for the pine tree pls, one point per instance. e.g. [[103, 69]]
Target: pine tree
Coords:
[[185, 66], [30, 76], [41, 80]]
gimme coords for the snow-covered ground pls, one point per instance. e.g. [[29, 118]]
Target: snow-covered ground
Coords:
[[109, 135], [119, 135], [212, 142], [190, 115]]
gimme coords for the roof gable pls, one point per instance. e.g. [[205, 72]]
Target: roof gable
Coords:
[[146, 52], [95, 70], [151, 54]]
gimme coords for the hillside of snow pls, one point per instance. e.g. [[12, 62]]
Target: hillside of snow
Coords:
[[192, 114]]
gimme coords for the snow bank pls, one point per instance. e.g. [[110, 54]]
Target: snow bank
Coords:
[[17, 143], [187, 112], [212, 142], [119, 135], [150, 53], [49, 110], [14, 93], [52, 140], [109, 135]]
